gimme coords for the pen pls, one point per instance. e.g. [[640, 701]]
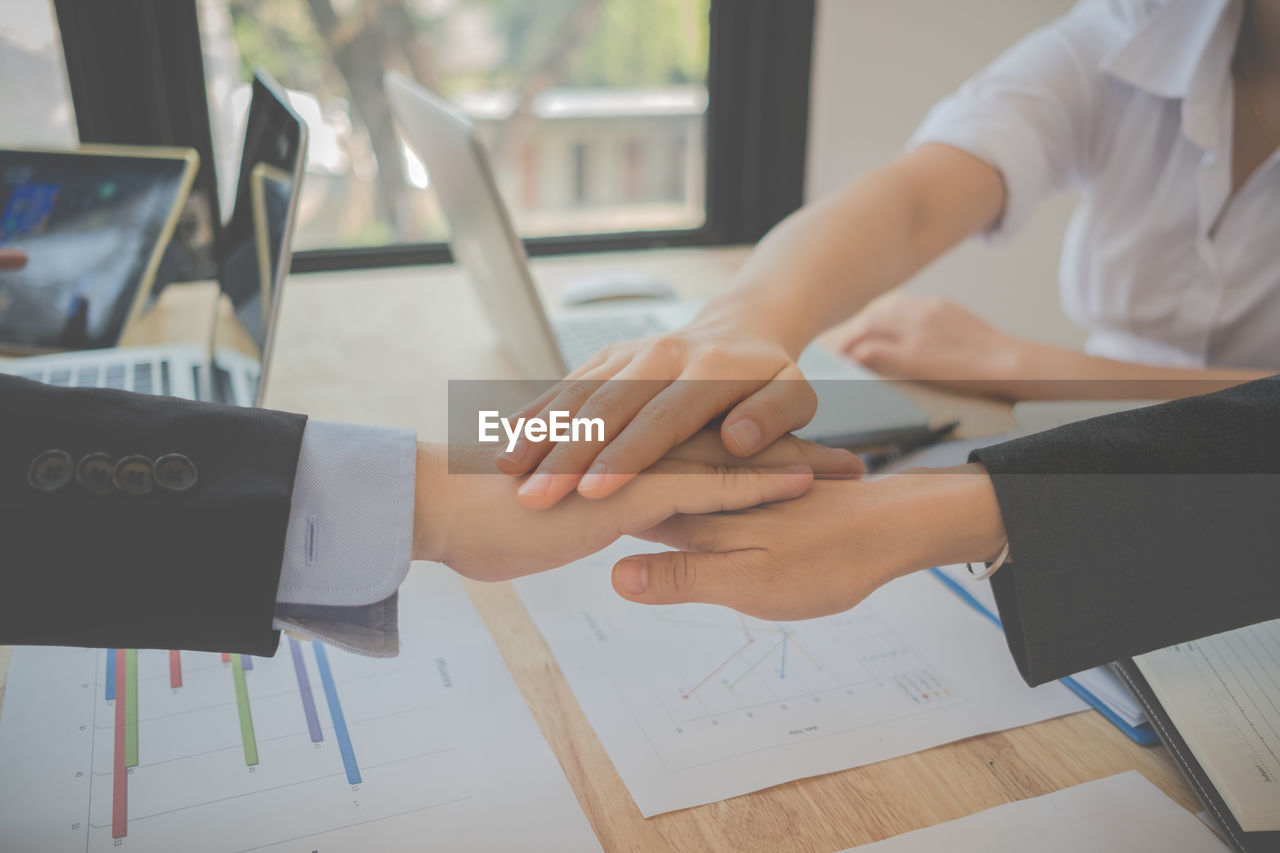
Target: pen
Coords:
[[876, 461]]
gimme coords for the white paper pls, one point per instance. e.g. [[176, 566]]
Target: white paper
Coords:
[[1119, 814], [448, 755], [695, 703], [1222, 694]]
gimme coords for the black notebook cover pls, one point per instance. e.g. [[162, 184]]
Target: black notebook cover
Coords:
[[1228, 826]]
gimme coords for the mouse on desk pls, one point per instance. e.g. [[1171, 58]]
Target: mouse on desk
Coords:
[[613, 286]]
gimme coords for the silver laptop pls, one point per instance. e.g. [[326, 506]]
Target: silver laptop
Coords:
[[253, 260], [485, 244]]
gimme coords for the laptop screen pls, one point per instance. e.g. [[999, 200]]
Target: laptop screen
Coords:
[[93, 225], [254, 250]]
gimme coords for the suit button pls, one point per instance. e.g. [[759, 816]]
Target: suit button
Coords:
[[93, 473], [133, 475], [50, 471], [175, 472]]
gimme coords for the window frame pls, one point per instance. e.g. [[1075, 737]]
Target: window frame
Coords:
[[144, 84]]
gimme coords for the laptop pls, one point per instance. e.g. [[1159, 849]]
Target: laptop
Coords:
[[485, 244], [254, 252]]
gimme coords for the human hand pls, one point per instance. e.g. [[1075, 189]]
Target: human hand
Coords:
[[12, 259], [685, 379], [821, 553], [934, 341], [476, 524]]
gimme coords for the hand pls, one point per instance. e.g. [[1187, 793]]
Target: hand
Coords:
[[12, 259], [934, 341], [474, 522], [721, 366], [821, 553]]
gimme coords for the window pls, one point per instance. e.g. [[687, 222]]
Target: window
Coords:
[[552, 86], [38, 111], [613, 124]]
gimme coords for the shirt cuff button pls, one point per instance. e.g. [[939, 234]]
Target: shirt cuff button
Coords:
[[93, 473], [50, 471], [133, 475], [175, 472]]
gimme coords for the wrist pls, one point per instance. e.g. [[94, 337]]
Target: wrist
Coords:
[[943, 516], [742, 313], [433, 503]]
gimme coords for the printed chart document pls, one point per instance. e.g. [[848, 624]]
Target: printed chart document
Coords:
[[1119, 814], [311, 750], [1222, 694], [696, 703]]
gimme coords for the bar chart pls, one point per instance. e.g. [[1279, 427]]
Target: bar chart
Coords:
[[311, 749]]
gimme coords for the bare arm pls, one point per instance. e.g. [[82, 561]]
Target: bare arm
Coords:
[[812, 270]]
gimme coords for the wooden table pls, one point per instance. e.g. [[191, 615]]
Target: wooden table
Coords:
[[378, 346]]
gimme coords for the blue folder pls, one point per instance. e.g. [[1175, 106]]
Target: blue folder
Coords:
[[1142, 734]]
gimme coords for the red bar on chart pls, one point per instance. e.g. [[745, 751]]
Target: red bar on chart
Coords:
[[175, 668], [120, 776], [226, 657]]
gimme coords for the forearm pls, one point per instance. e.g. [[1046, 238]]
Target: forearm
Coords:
[[829, 259], [1046, 372], [942, 516]]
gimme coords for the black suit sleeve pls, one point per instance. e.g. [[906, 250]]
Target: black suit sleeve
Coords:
[[194, 569], [1139, 530]]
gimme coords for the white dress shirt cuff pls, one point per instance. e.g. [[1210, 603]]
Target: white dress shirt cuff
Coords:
[[350, 535]]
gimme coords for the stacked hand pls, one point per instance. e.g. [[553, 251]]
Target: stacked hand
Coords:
[[653, 394], [476, 524]]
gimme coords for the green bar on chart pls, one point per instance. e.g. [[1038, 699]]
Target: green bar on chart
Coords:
[[131, 708], [246, 716]]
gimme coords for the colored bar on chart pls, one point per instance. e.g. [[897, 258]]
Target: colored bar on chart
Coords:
[[246, 716], [304, 690], [175, 668], [120, 775], [111, 675], [246, 662], [335, 711], [131, 707], [226, 657]]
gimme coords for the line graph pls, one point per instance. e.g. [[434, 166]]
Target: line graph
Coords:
[[696, 703], [749, 663]]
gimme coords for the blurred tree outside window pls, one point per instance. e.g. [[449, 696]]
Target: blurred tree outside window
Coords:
[[592, 110], [35, 101]]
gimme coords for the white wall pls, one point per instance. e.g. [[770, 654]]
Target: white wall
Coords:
[[878, 66]]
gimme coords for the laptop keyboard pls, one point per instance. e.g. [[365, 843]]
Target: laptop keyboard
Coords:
[[579, 339], [143, 377]]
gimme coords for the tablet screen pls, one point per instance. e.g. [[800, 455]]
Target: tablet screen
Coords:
[[92, 226]]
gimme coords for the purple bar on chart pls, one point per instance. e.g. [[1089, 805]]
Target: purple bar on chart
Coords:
[[111, 675], [304, 690], [246, 662]]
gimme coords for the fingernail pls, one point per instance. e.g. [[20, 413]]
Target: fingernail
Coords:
[[537, 485], [594, 478], [633, 577], [848, 459], [746, 434]]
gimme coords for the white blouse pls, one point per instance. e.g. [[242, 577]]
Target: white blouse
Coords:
[[1130, 102]]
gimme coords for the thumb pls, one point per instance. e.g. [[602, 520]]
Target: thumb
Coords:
[[674, 577]]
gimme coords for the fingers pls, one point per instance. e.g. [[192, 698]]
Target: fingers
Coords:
[[12, 259], [827, 463], [786, 403], [675, 577], [666, 420]]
